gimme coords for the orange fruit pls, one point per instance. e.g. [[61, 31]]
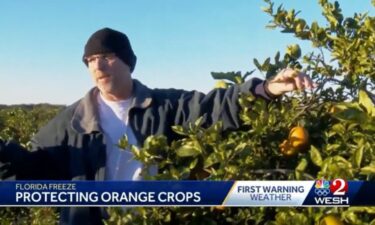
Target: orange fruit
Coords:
[[298, 138], [297, 141], [331, 220], [219, 208], [287, 149]]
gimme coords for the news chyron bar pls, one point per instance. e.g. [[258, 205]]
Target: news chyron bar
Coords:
[[336, 192]]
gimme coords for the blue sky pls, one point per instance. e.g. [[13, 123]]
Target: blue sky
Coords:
[[178, 43]]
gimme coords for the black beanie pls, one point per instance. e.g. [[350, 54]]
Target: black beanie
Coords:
[[107, 40]]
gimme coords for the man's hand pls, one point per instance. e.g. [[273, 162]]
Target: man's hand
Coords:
[[288, 80]]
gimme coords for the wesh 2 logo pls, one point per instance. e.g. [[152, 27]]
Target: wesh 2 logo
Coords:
[[331, 193]]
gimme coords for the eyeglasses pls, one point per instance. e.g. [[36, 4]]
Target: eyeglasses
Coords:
[[106, 57]]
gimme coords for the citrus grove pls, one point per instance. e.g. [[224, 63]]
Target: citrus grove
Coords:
[[328, 132]]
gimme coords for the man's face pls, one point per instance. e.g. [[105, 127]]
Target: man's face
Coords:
[[110, 74]]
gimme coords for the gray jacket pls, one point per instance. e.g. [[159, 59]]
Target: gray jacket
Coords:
[[72, 145]]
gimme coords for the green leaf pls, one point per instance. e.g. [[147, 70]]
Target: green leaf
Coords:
[[302, 165], [238, 80], [248, 74], [231, 76], [358, 155], [277, 57], [193, 163], [339, 128], [352, 114], [187, 151], [365, 100], [315, 156], [135, 150], [369, 126], [211, 159], [257, 64], [271, 26], [267, 9], [199, 121], [266, 64], [368, 170], [179, 130], [123, 143]]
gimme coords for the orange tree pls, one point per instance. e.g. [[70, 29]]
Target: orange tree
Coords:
[[20, 123], [328, 132]]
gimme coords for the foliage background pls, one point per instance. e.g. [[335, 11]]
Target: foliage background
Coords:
[[338, 114]]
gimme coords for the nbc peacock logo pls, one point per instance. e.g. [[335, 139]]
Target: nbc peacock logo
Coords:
[[322, 187]]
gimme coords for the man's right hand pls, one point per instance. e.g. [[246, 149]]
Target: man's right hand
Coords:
[[289, 80]]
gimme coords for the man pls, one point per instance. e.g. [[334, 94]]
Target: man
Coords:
[[80, 142]]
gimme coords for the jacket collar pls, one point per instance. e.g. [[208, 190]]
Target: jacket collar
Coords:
[[141, 95], [86, 115]]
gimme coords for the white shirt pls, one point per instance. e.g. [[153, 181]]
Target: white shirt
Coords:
[[120, 164]]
